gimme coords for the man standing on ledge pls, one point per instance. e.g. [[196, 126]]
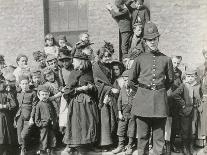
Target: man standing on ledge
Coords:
[[152, 71]]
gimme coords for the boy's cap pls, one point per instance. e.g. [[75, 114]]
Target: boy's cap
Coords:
[[190, 71], [51, 57], [150, 31], [80, 55], [47, 70], [44, 88], [118, 3], [10, 77], [125, 73], [23, 77]]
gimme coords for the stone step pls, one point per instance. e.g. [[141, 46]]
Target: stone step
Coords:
[[84, 152]]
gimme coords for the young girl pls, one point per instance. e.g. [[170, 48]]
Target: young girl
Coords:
[[52, 81], [22, 67], [50, 45], [80, 94], [7, 103]]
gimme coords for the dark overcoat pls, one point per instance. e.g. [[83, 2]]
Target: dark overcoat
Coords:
[[151, 68], [7, 135]]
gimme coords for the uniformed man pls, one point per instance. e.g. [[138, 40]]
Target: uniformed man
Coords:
[[152, 71]]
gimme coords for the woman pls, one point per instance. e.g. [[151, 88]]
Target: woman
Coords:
[[106, 95], [80, 94]]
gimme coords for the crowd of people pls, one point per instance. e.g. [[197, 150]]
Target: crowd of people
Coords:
[[75, 98]]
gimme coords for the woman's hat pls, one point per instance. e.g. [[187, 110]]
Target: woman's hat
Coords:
[[80, 55]]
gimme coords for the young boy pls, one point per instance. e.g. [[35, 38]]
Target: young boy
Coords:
[[139, 13], [27, 101], [126, 125], [122, 17], [189, 96], [173, 120], [45, 119]]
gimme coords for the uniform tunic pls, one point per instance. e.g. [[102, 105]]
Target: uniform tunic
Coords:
[[156, 70]]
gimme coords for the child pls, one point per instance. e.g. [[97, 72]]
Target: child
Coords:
[[126, 121], [117, 70], [122, 16], [50, 45], [139, 13], [27, 101], [189, 96], [40, 58], [45, 119], [172, 127], [63, 43], [22, 67], [66, 71], [52, 81], [36, 78], [80, 94], [52, 62], [7, 136]]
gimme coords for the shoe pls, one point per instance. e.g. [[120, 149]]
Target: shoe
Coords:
[[174, 149], [129, 150], [23, 152], [186, 150], [118, 150]]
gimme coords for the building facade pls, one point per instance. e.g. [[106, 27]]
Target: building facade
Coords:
[[25, 22]]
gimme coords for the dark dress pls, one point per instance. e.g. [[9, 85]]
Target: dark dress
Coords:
[[7, 136], [82, 119], [108, 112]]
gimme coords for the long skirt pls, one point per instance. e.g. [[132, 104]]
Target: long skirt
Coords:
[[82, 121]]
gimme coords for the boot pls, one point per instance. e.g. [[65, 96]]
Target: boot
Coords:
[[129, 150], [120, 147], [186, 150], [23, 151], [191, 148], [168, 148], [174, 148]]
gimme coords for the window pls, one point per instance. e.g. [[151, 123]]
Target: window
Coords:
[[68, 17]]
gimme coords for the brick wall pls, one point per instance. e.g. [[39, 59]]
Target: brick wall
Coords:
[[22, 28], [183, 27], [101, 24]]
